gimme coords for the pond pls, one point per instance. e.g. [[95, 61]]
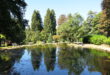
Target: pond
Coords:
[[50, 60]]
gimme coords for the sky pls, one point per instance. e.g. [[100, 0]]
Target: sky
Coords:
[[62, 7]]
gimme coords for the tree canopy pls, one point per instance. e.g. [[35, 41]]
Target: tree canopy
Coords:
[[36, 24], [11, 19]]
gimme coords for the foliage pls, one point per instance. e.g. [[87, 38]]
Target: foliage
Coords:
[[50, 22], [104, 25], [73, 29], [32, 36], [62, 19], [11, 19], [92, 22], [44, 36], [39, 42], [69, 31], [105, 18], [36, 24], [35, 33], [53, 21], [2, 36], [50, 39], [98, 39], [56, 38], [107, 41]]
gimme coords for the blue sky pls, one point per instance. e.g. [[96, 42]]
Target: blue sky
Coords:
[[62, 7]]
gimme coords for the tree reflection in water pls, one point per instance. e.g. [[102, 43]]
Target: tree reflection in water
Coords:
[[49, 60], [7, 60], [72, 59], [36, 56], [77, 60]]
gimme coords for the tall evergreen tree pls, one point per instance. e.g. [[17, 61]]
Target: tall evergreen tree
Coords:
[[47, 22], [50, 22], [53, 18], [36, 24]]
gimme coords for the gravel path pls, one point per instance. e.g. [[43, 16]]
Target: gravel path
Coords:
[[99, 47]]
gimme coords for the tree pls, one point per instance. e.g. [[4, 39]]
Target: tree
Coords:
[[36, 24], [11, 19], [62, 19], [53, 18], [50, 23], [32, 36], [90, 17], [77, 19], [96, 23], [69, 30], [70, 16], [106, 8], [47, 22], [105, 18], [92, 23]]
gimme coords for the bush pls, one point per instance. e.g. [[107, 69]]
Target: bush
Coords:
[[39, 42], [50, 39], [107, 41], [81, 40], [56, 38], [98, 39], [2, 36], [2, 40]]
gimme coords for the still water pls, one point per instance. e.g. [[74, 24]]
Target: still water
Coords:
[[54, 61]]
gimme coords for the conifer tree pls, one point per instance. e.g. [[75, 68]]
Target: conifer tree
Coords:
[[47, 22], [36, 24], [50, 22], [53, 18]]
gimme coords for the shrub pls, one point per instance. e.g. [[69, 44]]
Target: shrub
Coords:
[[2, 36], [97, 39], [56, 38], [81, 40], [107, 41], [2, 40], [39, 42], [50, 39]]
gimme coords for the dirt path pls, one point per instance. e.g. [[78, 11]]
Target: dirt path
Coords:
[[99, 47]]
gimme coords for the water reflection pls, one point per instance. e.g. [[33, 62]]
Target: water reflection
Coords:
[[7, 60], [36, 56], [50, 58], [73, 60], [54, 61]]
